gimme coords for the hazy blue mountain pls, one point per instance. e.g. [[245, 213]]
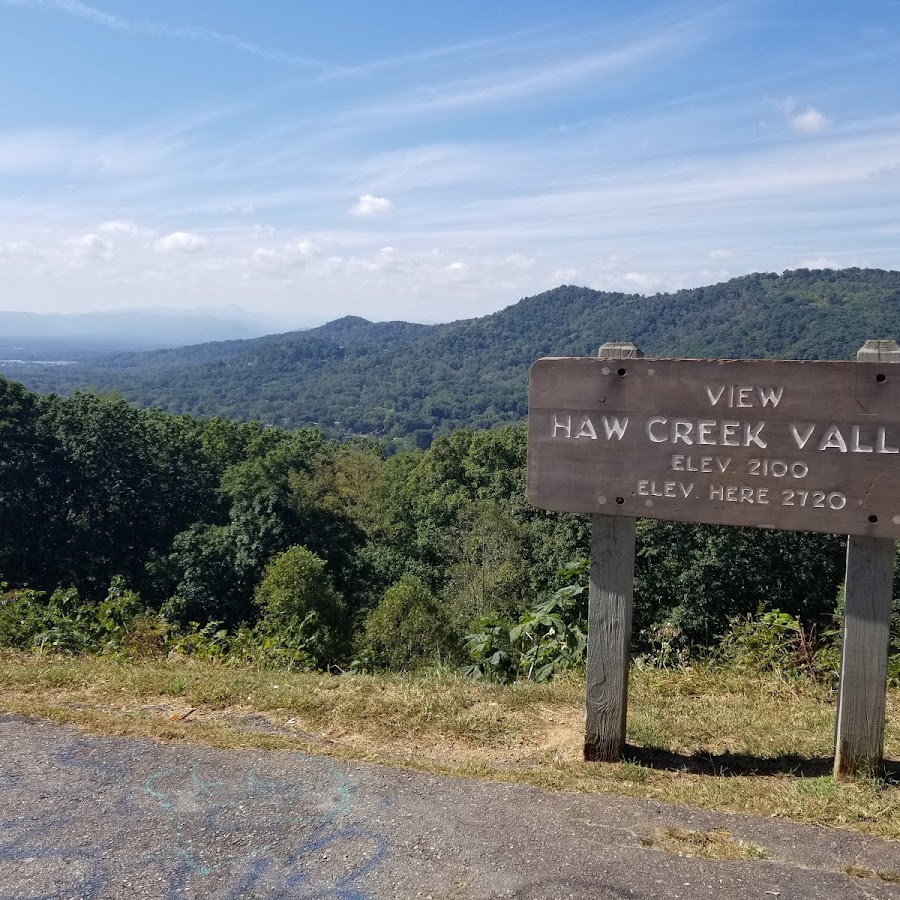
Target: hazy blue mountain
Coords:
[[31, 336]]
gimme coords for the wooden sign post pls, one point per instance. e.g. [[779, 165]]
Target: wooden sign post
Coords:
[[806, 446], [610, 602], [868, 594]]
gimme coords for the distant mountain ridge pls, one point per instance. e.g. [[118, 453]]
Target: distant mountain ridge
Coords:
[[399, 379], [140, 329], [349, 329]]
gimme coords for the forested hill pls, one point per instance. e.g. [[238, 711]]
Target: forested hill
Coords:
[[398, 379]]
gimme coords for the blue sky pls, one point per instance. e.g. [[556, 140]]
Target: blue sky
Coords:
[[431, 161]]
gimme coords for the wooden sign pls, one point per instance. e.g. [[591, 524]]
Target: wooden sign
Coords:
[[804, 446]]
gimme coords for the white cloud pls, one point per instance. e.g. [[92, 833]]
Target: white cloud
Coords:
[[181, 241], [91, 246], [820, 262], [810, 121], [713, 276], [10, 249], [368, 205], [297, 254], [229, 265], [720, 254], [517, 262], [457, 267], [116, 227], [269, 259], [806, 121], [308, 250], [642, 280]]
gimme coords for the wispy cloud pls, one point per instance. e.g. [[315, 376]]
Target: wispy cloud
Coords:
[[666, 181], [76, 152], [544, 77], [430, 54], [12, 249], [755, 183], [185, 33]]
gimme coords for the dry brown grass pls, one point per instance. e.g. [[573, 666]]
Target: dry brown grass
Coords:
[[718, 843], [705, 737], [880, 874]]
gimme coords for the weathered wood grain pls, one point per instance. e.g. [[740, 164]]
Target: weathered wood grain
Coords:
[[610, 603], [805, 446], [859, 723]]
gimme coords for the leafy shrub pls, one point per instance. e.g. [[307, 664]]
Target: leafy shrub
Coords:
[[210, 641], [551, 637], [148, 636], [491, 651], [66, 622], [303, 616], [774, 641], [295, 649], [23, 614], [664, 646], [547, 639], [407, 627]]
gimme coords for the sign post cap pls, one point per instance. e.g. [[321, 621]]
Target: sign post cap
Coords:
[[620, 350], [879, 351]]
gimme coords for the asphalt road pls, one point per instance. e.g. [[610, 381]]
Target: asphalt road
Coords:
[[86, 817]]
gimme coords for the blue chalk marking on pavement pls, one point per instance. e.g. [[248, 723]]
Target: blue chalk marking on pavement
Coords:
[[217, 810], [28, 842]]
